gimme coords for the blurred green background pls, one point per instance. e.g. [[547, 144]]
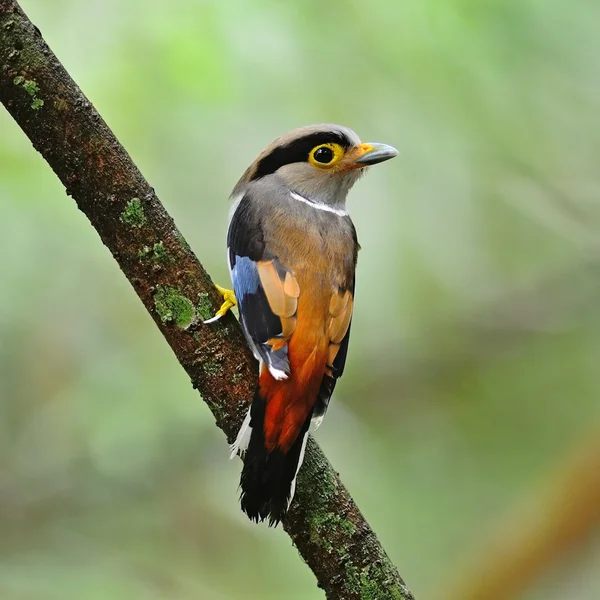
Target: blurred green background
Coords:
[[474, 361]]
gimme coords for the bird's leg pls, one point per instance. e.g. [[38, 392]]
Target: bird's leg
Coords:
[[229, 301]]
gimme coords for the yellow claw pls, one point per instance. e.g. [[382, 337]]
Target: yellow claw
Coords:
[[229, 301]]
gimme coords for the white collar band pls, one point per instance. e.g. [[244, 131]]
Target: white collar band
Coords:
[[319, 205]]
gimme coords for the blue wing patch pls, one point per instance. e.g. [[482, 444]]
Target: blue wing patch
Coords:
[[260, 323]]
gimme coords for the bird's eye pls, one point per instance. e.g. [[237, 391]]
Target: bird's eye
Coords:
[[325, 155]]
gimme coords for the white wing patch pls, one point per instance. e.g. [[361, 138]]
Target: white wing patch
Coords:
[[278, 374]]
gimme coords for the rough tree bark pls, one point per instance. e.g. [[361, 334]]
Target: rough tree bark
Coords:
[[324, 523]]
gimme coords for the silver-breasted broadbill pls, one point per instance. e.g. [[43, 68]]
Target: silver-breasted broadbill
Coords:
[[292, 252]]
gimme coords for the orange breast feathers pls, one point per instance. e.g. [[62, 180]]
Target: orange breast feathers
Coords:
[[313, 336]]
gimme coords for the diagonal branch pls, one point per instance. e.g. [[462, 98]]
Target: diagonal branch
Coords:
[[324, 522]]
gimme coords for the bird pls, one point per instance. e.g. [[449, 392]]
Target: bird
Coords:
[[292, 252]]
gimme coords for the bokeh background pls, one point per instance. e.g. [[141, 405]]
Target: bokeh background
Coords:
[[467, 425]]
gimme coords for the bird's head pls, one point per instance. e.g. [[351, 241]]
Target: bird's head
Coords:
[[321, 162]]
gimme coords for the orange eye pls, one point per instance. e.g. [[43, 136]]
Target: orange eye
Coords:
[[325, 155]]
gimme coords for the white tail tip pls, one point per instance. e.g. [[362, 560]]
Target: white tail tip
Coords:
[[243, 438]]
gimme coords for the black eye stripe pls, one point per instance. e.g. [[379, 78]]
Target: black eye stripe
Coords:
[[297, 151]]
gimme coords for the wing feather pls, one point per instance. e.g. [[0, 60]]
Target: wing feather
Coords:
[[266, 290]]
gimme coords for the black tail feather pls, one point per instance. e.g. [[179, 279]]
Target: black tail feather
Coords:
[[324, 395], [267, 477]]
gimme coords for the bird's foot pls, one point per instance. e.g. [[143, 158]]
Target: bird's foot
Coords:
[[229, 301]]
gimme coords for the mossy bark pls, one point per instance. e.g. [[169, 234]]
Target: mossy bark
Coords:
[[324, 522]]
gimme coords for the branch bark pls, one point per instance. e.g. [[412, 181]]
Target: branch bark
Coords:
[[324, 523]]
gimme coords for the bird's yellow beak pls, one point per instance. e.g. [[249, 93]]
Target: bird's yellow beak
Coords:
[[372, 153]]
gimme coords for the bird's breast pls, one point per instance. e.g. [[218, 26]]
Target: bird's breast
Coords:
[[318, 248]]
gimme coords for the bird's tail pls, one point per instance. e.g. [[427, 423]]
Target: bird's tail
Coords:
[[274, 438], [268, 477], [275, 432]]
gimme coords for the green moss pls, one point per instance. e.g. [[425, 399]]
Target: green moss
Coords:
[[315, 534], [159, 252], [372, 583], [210, 367], [398, 594], [321, 523], [316, 478], [32, 88], [205, 308], [172, 307], [370, 589], [134, 213]]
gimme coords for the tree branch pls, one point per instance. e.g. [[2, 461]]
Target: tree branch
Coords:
[[324, 522]]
